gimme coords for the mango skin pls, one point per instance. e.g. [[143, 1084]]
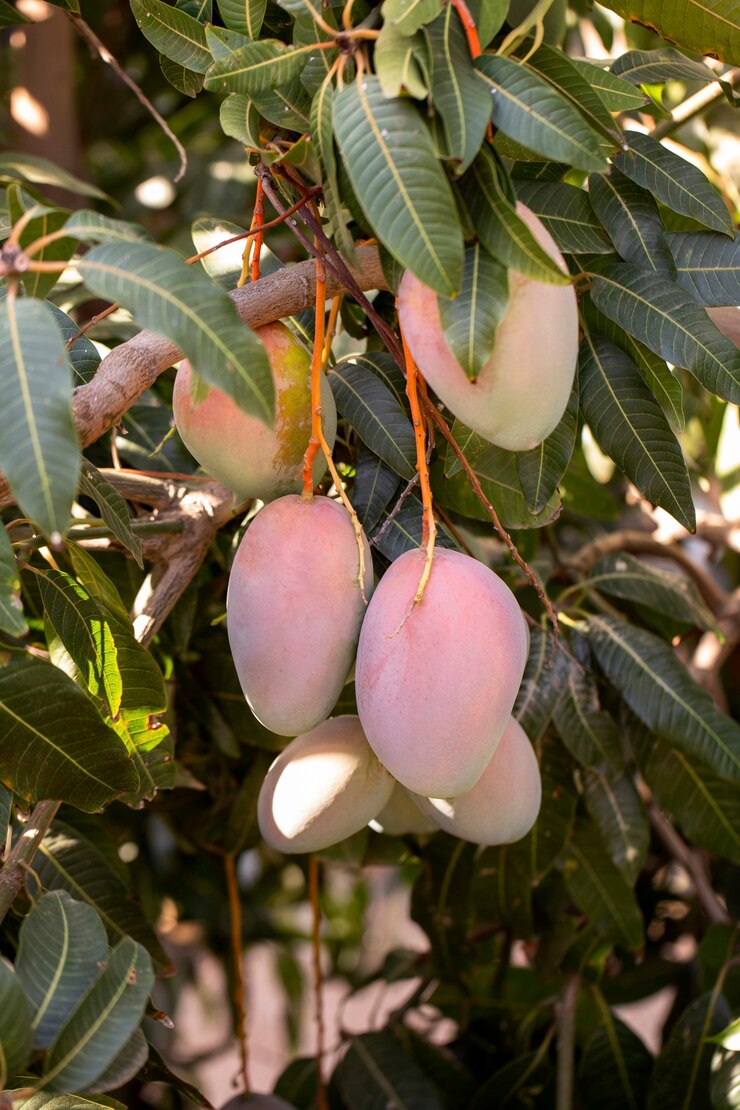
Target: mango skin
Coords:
[[294, 610], [401, 815], [504, 803], [238, 449], [522, 391], [325, 786], [435, 696]]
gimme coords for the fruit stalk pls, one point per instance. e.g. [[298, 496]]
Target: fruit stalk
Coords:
[[429, 527], [316, 363]]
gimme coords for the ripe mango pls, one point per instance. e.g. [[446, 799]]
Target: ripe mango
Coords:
[[401, 815]]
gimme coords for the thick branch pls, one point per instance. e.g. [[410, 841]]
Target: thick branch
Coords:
[[13, 871]]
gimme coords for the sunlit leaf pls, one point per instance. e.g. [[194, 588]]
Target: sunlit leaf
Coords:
[[708, 28], [40, 171], [409, 15], [257, 67], [396, 63], [173, 32], [618, 95]]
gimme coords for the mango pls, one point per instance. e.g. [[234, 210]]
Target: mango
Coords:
[[522, 391], [400, 815], [503, 805], [436, 683], [325, 786], [238, 449], [294, 609]]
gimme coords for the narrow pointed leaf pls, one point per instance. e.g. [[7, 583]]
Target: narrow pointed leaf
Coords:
[[125, 1065], [396, 63], [470, 443], [674, 181], [541, 468], [567, 214], [245, 16], [9, 16], [409, 15], [564, 76], [257, 67], [653, 67], [659, 689], [615, 1067], [53, 742], [113, 508], [92, 227], [629, 426], [659, 314], [305, 32], [16, 1035], [62, 946], [376, 486], [708, 28], [708, 266], [554, 824], [375, 414], [496, 471], [12, 620], [393, 169], [173, 32], [405, 531], [631, 217], [589, 733], [529, 110], [622, 575], [471, 320], [322, 132], [40, 171], [103, 1020], [376, 1073], [618, 94], [680, 1080], [83, 355], [619, 815], [181, 303], [542, 685], [600, 891], [184, 80], [38, 443]]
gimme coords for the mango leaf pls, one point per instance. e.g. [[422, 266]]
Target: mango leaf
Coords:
[[306, 32], [541, 468], [554, 822], [496, 471], [96, 581], [245, 16], [62, 947], [53, 742], [659, 314], [38, 442], [629, 426], [456, 91], [707, 28], [471, 320], [16, 1035], [12, 620], [83, 354], [396, 63], [375, 413], [589, 733], [376, 485], [681, 1076], [48, 220], [600, 891], [394, 172], [257, 67], [619, 815], [503, 886], [674, 181], [529, 110], [542, 684], [622, 575], [184, 80], [103, 1020], [376, 1073], [222, 42], [708, 266], [240, 120], [615, 1067], [6, 809], [181, 303], [201, 10], [659, 689], [617, 94], [92, 873], [92, 227], [41, 1100], [409, 15], [173, 32], [405, 531], [40, 171], [704, 806], [631, 217], [498, 226], [567, 214], [322, 132], [287, 105], [113, 508], [471, 444], [654, 67], [9, 15], [126, 1064], [565, 77]]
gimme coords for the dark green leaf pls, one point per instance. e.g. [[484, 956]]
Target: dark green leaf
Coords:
[[307, 32], [6, 807], [9, 15], [541, 468], [16, 1035], [394, 172], [589, 733], [257, 67], [376, 1073], [621, 575], [12, 620], [83, 354], [615, 1066], [564, 76], [618, 95], [567, 214], [184, 80], [618, 813], [53, 742], [470, 443], [470, 320], [405, 531], [708, 266], [288, 105], [243, 15], [661, 692], [554, 822], [112, 506], [375, 414], [681, 1077], [542, 685], [631, 217], [322, 132], [503, 885], [173, 32], [39, 171], [653, 67], [496, 471], [674, 181], [376, 485], [514, 1084], [127, 1064], [600, 890]]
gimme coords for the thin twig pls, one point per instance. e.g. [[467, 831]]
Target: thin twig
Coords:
[[240, 1004]]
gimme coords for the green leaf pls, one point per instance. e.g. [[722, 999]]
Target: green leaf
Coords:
[[322, 132], [38, 441], [496, 471], [16, 1035], [173, 32], [554, 822], [661, 692], [600, 890], [222, 42], [6, 808], [245, 16], [9, 15], [618, 813], [287, 106], [629, 426], [182, 304], [653, 67], [409, 15], [631, 217], [621, 575], [92, 873], [457, 92], [48, 220], [53, 742], [541, 468], [567, 214], [96, 581], [707, 28], [113, 508], [396, 63], [12, 620], [376, 485], [498, 226], [615, 1067], [83, 354], [565, 77], [376, 1073], [43, 1101], [201, 10], [405, 531], [306, 32], [471, 444], [62, 947], [126, 1065], [618, 95], [659, 314], [393, 169], [589, 733], [530, 111], [674, 181], [184, 80], [103, 1020], [40, 171], [91, 227], [375, 414], [471, 320], [705, 807], [240, 120], [542, 683], [708, 266], [681, 1076], [86, 633], [257, 67]]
